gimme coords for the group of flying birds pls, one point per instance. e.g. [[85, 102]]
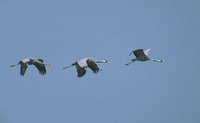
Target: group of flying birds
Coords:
[[81, 65]]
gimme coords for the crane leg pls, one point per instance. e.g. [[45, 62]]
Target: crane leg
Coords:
[[129, 63]]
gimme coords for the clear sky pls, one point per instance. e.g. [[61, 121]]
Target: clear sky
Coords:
[[63, 31]]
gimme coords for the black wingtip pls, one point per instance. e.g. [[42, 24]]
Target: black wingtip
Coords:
[[130, 53], [79, 76], [42, 73]]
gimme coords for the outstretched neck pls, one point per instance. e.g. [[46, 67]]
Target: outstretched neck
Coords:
[[157, 60], [102, 61]]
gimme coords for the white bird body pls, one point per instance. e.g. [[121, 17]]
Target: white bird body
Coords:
[[83, 62], [38, 63], [142, 55], [82, 65], [26, 60]]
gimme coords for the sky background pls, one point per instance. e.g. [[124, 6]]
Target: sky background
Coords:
[[64, 31]]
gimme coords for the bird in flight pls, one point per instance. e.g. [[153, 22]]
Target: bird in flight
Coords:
[[39, 64], [81, 65], [142, 55]]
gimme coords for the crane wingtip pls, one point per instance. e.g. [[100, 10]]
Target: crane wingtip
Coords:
[[130, 53]]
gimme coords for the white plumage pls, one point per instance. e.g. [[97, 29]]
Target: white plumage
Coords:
[[83, 62]]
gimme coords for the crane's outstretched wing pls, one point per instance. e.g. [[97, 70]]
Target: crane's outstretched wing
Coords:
[[80, 70], [139, 53], [23, 68], [93, 66], [40, 67], [146, 52]]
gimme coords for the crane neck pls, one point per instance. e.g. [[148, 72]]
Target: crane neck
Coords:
[[102, 61], [157, 60]]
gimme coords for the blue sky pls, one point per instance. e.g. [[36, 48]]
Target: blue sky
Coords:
[[63, 31]]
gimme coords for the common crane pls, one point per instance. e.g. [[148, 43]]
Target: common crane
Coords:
[[39, 64], [142, 55], [81, 65]]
